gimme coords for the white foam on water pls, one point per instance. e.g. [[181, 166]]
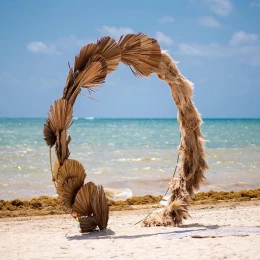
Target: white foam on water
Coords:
[[118, 194]]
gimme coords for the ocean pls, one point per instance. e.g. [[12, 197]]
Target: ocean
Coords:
[[134, 154]]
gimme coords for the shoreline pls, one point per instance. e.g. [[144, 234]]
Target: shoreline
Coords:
[[49, 205]]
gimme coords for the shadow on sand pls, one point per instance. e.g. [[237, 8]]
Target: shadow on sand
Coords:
[[110, 234]]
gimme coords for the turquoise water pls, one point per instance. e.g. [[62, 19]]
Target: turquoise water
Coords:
[[139, 154]]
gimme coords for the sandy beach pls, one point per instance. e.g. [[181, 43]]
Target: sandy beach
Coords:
[[222, 231]]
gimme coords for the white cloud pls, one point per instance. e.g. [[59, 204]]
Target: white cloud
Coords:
[[243, 46], [255, 3], [166, 19], [40, 47], [195, 49], [163, 39], [241, 37], [208, 21], [59, 46], [116, 32], [220, 7]]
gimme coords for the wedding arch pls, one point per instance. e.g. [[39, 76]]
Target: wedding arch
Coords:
[[143, 56]]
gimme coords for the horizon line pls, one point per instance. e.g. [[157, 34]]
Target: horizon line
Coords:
[[120, 118]]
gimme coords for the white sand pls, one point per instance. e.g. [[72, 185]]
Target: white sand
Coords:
[[235, 225]]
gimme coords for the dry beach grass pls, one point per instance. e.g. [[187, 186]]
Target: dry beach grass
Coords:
[[46, 205]]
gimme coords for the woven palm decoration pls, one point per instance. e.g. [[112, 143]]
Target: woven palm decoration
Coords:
[[143, 56]]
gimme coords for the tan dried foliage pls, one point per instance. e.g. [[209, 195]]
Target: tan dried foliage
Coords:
[[82, 58], [56, 126], [56, 170], [100, 207], [82, 204], [140, 52], [130, 46], [143, 55], [88, 224], [70, 169], [110, 50], [69, 191]]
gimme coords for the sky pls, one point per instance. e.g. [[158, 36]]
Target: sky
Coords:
[[216, 42]]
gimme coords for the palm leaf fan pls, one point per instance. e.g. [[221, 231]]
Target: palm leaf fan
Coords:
[[100, 207], [150, 57], [110, 50], [130, 46], [49, 132], [68, 193], [61, 114], [82, 58], [70, 169], [82, 203], [59, 118], [94, 75], [81, 61]]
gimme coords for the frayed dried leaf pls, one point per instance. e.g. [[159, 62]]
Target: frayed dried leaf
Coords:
[[82, 204], [100, 206], [88, 224], [83, 57], [69, 191], [110, 50], [70, 169]]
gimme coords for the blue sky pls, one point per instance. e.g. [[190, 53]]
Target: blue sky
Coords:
[[217, 44]]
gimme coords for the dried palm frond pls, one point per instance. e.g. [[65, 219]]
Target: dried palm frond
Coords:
[[94, 73], [82, 203], [56, 170], [49, 131], [140, 52], [92, 76], [82, 58], [110, 50], [61, 114], [88, 224], [61, 148], [58, 121], [70, 169], [69, 191], [150, 56], [69, 83], [130, 46], [100, 207]]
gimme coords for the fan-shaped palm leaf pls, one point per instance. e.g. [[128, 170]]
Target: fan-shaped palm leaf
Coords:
[[130, 46], [150, 56], [70, 169], [82, 203], [59, 119], [100, 207], [82, 58], [69, 191], [49, 131], [111, 51]]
